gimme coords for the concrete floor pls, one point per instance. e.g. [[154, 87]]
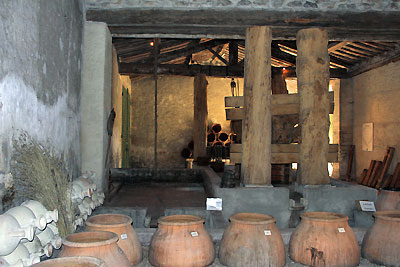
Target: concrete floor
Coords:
[[157, 197]]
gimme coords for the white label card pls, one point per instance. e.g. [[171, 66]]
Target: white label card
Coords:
[[267, 232], [214, 203], [367, 205], [341, 230], [124, 236], [194, 234]]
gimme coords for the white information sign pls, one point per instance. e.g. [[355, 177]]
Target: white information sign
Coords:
[[214, 204], [194, 234], [341, 230], [124, 236], [267, 232], [367, 206]]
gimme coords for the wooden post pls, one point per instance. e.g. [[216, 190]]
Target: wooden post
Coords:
[[256, 157], [312, 69], [200, 116]]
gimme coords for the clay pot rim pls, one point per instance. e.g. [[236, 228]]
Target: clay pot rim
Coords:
[[388, 215], [324, 217], [182, 220], [243, 218], [109, 238], [100, 224], [73, 259]]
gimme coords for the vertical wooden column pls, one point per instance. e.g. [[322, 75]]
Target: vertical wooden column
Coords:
[[312, 69], [200, 116], [256, 142]]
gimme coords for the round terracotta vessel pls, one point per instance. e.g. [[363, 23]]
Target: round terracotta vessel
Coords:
[[381, 243], [181, 240], [72, 262], [122, 226], [388, 200], [102, 245], [324, 239], [252, 239]]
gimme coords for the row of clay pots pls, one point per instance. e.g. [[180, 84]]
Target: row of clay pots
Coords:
[[388, 200]]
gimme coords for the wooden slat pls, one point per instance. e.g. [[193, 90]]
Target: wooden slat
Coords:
[[396, 176], [375, 174], [362, 176], [370, 170], [385, 166]]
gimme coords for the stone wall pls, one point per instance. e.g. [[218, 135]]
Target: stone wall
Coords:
[[175, 117], [376, 100], [116, 102], [293, 5], [40, 70]]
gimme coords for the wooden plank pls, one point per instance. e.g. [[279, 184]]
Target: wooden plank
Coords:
[[280, 158], [370, 170], [385, 166], [362, 176], [200, 116], [387, 181], [277, 99], [375, 173], [350, 163], [396, 176], [284, 148]]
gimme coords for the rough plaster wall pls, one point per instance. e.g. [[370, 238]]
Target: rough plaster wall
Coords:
[[40, 54], [116, 102], [376, 99], [96, 99], [175, 117], [293, 5]]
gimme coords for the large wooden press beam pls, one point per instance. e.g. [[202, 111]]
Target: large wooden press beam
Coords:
[[283, 104], [256, 154], [282, 153], [313, 86], [218, 23]]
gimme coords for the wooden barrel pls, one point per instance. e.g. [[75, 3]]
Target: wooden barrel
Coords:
[[122, 226], [381, 244], [324, 239], [252, 239], [102, 245], [72, 262], [181, 241], [388, 200]]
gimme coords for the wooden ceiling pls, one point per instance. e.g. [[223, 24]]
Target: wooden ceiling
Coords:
[[226, 57]]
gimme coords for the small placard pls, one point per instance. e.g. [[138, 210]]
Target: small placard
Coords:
[[124, 236], [267, 232], [214, 203], [367, 205], [194, 234], [341, 230]]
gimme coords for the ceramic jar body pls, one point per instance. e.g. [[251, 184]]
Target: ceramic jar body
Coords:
[[388, 200], [181, 241], [324, 239], [252, 240], [102, 245], [121, 225], [72, 262], [381, 244]]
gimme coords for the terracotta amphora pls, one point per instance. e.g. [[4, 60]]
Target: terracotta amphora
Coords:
[[324, 239], [102, 245], [181, 241], [122, 226], [252, 239]]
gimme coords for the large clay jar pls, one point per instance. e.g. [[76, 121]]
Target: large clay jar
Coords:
[[388, 200], [324, 239], [72, 262], [102, 245], [181, 241], [381, 243], [122, 226], [252, 239]]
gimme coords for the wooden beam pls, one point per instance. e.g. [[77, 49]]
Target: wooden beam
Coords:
[[336, 46], [233, 53], [376, 62], [284, 148], [200, 116], [218, 56], [280, 158], [192, 70], [206, 23]]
